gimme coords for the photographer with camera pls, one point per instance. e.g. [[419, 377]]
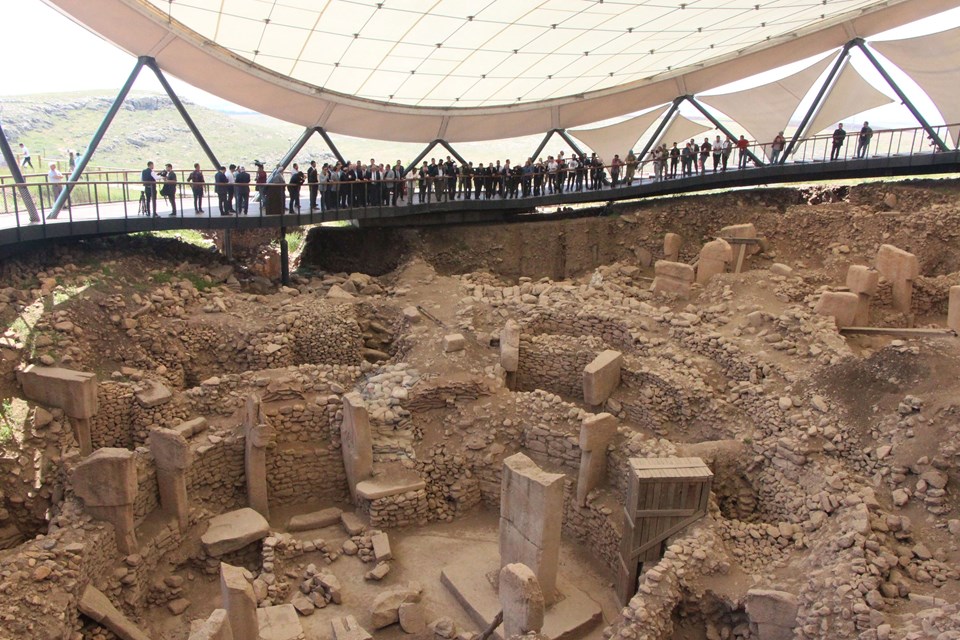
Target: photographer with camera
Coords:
[[169, 189]]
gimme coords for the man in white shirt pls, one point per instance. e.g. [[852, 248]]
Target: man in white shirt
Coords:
[[25, 157], [231, 182]]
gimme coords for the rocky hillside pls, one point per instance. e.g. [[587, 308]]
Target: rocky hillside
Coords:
[[148, 127]]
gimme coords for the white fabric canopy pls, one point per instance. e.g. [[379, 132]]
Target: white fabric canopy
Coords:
[[765, 110], [850, 95], [617, 138], [680, 131], [938, 74]]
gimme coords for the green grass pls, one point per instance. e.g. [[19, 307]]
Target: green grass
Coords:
[[162, 277], [13, 413], [200, 283], [190, 236], [294, 240]]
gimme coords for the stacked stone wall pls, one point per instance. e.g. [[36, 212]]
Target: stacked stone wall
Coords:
[[555, 362], [216, 479], [110, 427]]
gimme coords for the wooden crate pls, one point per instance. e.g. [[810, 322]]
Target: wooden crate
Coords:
[[666, 495]]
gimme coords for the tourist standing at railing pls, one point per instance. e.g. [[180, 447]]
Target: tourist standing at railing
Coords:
[[839, 135], [222, 187], [717, 151], [313, 184], [674, 160], [743, 145], [687, 160], [727, 149], [630, 162], [776, 148], [149, 179], [391, 185], [863, 141], [169, 190], [615, 166], [25, 160], [196, 185], [55, 178], [293, 188], [72, 161], [581, 172], [261, 179], [705, 150], [450, 171], [231, 191], [241, 181], [333, 187]]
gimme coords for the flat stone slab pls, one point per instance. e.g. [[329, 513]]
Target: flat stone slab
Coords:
[[279, 623], [96, 606], [352, 523], [347, 628], [465, 577], [381, 547], [315, 520], [73, 391], [153, 394], [234, 530], [390, 484]]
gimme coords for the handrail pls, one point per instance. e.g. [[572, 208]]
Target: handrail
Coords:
[[103, 199]]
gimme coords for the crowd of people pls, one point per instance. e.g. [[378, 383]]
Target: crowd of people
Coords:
[[357, 184]]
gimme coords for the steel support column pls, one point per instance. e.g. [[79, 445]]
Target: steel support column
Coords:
[[284, 258], [152, 65], [330, 145], [543, 144], [903, 97], [664, 123], [453, 152], [11, 159], [95, 141], [709, 116], [291, 154], [570, 141], [421, 156], [818, 99]]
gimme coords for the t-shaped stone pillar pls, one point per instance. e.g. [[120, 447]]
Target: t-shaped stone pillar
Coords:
[[521, 601], [531, 514], [862, 280], [73, 391], [106, 481], [259, 435], [953, 309], [596, 432], [671, 247], [901, 269], [841, 305], [714, 257], [601, 377], [355, 441], [672, 277], [238, 599], [172, 455]]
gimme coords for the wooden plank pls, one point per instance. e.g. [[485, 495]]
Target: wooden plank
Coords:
[[666, 512], [901, 332], [740, 256]]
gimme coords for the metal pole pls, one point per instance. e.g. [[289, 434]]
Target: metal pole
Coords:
[[570, 141], [903, 97], [227, 242], [423, 154], [152, 64], [11, 159], [709, 116], [664, 122], [453, 152], [291, 154], [333, 147], [284, 258], [818, 100], [95, 141], [543, 144]]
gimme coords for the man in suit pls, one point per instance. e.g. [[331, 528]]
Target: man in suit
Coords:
[[242, 185], [149, 180], [313, 183], [374, 177], [293, 187], [222, 186]]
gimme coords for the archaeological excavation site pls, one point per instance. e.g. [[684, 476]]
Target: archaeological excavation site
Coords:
[[728, 416]]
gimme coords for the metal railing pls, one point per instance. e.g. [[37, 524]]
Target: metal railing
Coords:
[[121, 194]]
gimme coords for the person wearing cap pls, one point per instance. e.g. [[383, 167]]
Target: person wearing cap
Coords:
[[55, 178]]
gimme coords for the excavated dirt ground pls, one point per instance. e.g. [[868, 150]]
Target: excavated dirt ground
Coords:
[[802, 425]]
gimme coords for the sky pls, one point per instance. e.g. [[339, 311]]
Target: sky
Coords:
[[63, 56]]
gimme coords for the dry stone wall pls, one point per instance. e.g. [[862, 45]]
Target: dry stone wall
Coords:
[[555, 362]]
